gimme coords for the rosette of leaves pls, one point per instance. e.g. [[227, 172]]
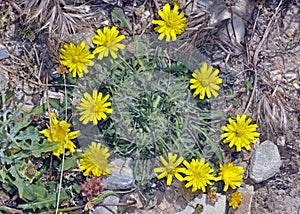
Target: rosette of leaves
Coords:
[[154, 112], [20, 145], [146, 105], [153, 109]]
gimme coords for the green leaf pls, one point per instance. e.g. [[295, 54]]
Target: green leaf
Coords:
[[29, 134], [25, 190], [118, 15], [48, 201], [38, 148], [26, 118], [70, 162], [249, 83]]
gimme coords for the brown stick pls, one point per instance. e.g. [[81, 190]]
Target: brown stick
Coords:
[[50, 123], [257, 51]]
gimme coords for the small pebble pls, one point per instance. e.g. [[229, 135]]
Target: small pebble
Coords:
[[290, 76], [122, 175], [3, 52]]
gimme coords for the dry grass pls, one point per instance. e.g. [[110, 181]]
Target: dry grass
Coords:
[[56, 15]]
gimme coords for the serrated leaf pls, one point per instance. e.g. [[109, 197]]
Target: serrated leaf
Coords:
[[25, 190], [118, 15], [47, 202], [21, 125], [26, 115], [38, 148], [31, 133], [28, 141], [70, 162]]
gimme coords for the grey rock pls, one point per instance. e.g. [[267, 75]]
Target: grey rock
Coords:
[[208, 208], [3, 79], [236, 26], [3, 52], [235, 29], [265, 162], [109, 200], [245, 207], [122, 175]]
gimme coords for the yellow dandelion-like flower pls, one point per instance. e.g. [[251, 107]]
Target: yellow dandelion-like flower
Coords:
[[76, 58], [205, 82], [94, 108], [173, 23], [94, 160], [231, 175], [235, 200], [108, 42], [170, 168], [60, 134], [198, 174], [240, 132]]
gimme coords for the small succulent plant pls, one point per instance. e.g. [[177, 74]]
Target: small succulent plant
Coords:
[[92, 188]]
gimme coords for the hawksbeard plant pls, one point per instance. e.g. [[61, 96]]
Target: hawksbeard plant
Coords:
[[135, 100]]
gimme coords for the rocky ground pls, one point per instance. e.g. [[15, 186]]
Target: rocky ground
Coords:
[[258, 53]]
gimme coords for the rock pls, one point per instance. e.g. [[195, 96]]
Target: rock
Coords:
[[110, 200], [245, 206], [3, 79], [236, 27], [265, 162], [121, 177], [3, 52], [218, 207]]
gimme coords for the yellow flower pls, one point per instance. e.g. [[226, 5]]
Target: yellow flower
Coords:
[[205, 82], [94, 107], [94, 160], [198, 174], [76, 58], [235, 200], [108, 41], [173, 23], [231, 175], [170, 168], [60, 134], [240, 132]]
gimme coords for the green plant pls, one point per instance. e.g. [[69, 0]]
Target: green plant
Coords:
[[22, 150]]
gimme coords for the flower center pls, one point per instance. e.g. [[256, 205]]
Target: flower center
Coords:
[[170, 23], [205, 82], [170, 169], [76, 59], [97, 108], [100, 162], [60, 133], [240, 132]]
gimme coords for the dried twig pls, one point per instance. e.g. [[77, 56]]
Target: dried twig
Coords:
[[258, 49], [32, 81], [56, 15]]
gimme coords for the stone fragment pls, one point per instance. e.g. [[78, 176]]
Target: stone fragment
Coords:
[[3, 79], [245, 206], [235, 14], [109, 200], [121, 177], [296, 86], [3, 52], [208, 207], [265, 162], [290, 76], [235, 28]]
